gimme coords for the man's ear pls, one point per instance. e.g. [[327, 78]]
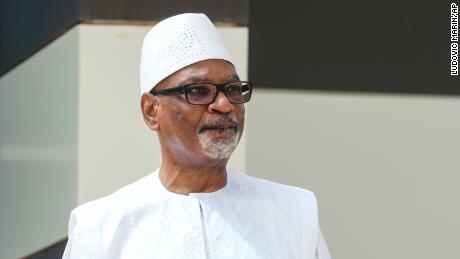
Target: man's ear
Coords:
[[149, 106]]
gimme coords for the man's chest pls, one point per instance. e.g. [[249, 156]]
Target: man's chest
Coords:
[[200, 229]]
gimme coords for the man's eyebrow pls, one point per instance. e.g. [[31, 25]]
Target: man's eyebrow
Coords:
[[197, 79], [233, 77], [204, 79]]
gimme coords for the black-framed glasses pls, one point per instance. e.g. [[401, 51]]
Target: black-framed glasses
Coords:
[[205, 93]]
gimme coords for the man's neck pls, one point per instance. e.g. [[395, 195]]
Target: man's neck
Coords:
[[182, 180]]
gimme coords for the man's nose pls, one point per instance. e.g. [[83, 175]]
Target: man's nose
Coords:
[[221, 104]]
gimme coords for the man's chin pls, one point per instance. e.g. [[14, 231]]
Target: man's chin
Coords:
[[219, 145]]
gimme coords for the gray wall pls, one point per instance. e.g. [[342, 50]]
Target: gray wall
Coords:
[[38, 148], [385, 168]]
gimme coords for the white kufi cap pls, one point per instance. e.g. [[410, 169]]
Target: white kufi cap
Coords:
[[177, 42]]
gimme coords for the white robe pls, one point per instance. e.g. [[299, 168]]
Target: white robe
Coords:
[[249, 218]]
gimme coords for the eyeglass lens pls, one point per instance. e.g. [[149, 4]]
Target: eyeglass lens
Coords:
[[238, 92]]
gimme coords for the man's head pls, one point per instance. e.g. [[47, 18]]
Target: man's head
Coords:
[[197, 110]]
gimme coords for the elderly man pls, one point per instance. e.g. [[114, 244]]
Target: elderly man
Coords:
[[192, 206]]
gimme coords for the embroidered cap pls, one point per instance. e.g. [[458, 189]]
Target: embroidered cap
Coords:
[[177, 42]]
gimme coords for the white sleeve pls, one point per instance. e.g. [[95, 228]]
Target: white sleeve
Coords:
[[74, 248], [322, 252], [75, 245]]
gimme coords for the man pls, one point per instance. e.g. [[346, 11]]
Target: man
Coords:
[[192, 207]]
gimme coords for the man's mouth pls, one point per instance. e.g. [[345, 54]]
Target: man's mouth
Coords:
[[218, 128]]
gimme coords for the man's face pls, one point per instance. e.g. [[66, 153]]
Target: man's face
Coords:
[[189, 131]]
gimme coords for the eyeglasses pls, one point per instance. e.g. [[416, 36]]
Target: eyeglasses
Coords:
[[205, 93]]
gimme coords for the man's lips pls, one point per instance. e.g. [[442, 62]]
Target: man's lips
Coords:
[[222, 124], [218, 128]]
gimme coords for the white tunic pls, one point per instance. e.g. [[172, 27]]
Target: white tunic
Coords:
[[249, 218]]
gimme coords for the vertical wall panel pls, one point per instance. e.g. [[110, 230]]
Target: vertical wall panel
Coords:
[[38, 148]]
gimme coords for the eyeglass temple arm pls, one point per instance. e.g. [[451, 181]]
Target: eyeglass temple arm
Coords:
[[180, 89]]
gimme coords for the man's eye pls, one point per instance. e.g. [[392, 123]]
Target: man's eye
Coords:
[[244, 88], [198, 90], [236, 88]]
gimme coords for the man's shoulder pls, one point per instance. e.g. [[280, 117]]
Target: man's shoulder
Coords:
[[278, 191], [115, 205], [297, 206]]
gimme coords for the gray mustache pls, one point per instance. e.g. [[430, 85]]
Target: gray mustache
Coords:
[[226, 122]]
